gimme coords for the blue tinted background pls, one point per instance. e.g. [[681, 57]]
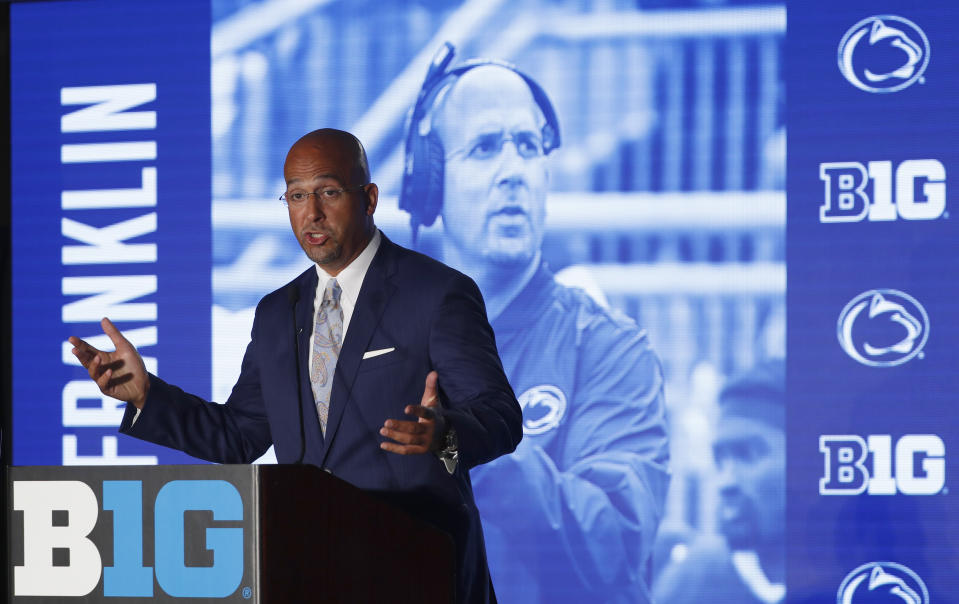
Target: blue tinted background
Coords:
[[666, 198], [112, 47], [829, 264]]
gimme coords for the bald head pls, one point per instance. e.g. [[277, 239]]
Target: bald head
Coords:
[[339, 149], [481, 94]]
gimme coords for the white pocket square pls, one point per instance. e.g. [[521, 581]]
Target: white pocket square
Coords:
[[369, 354]]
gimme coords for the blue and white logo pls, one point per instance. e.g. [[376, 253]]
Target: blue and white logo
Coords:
[[856, 191], [129, 575], [894, 581], [883, 328], [543, 408], [884, 53], [912, 464]]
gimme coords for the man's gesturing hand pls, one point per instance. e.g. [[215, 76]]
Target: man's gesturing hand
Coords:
[[120, 374], [425, 434]]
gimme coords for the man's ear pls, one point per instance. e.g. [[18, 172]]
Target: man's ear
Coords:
[[372, 196]]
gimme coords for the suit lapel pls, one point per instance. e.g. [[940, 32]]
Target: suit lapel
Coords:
[[372, 300]]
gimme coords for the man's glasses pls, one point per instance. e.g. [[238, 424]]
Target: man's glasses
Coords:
[[489, 146], [328, 195]]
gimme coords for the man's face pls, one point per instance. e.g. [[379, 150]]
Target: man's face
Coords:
[[495, 176], [332, 228], [751, 460]]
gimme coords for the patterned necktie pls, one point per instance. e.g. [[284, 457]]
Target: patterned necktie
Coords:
[[327, 338]]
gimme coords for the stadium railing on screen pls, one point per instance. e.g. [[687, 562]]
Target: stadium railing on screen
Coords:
[[703, 272], [663, 100]]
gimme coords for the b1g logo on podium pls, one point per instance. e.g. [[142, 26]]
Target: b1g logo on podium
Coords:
[[853, 465], [884, 53], [882, 581], [61, 559], [855, 192]]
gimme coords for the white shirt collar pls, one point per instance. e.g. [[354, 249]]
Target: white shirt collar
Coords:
[[351, 277]]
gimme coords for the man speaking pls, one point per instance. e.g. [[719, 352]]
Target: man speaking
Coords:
[[377, 364]]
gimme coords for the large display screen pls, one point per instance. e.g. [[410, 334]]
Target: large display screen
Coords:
[[676, 447]]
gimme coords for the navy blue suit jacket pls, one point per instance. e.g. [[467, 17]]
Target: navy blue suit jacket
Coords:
[[434, 318]]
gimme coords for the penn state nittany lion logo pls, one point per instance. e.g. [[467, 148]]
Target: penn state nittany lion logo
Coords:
[[543, 408], [882, 582], [884, 53], [883, 327]]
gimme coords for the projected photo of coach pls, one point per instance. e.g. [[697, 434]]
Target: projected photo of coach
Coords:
[[570, 516]]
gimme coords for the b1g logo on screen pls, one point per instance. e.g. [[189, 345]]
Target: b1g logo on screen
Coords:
[[884, 53], [855, 192], [853, 465], [882, 582], [883, 328], [60, 558]]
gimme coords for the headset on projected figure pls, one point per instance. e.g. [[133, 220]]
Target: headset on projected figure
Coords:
[[422, 192]]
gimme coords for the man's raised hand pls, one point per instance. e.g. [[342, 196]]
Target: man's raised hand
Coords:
[[425, 434], [120, 374]]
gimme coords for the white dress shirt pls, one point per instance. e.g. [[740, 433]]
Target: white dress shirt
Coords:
[[350, 280]]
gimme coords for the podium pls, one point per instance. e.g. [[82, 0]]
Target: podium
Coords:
[[235, 533]]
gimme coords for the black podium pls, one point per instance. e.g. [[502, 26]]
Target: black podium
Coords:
[[234, 533]]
